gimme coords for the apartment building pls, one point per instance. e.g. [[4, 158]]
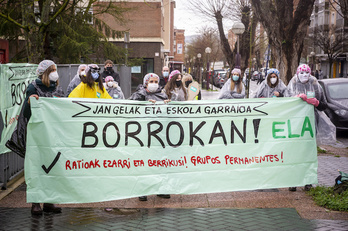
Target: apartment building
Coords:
[[179, 50], [327, 16], [151, 34]]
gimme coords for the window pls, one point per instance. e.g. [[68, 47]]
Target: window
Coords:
[[338, 91]]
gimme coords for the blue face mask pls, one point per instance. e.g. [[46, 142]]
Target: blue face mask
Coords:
[[95, 75], [235, 77], [165, 74]]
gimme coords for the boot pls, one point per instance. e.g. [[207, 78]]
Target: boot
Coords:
[[51, 208], [166, 196], [143, 198], [36, 209], [307, 187]]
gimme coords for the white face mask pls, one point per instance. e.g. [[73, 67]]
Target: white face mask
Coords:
[[110, 84], [152, 87], [273, 80], [53, 76], [83, 73], [303, 76]]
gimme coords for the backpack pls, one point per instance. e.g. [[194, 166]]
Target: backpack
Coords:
[[341, 183]]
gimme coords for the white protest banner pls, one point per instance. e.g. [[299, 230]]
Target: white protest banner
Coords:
[[14, 79], [90, 150]]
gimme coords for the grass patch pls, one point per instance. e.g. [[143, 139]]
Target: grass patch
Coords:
[[337, 156], [319, 150], [325, 197]]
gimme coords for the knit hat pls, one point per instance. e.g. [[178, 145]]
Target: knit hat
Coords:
[[303, 67], [92, 66], [43, 65], [273, 71], [148, 76], [175, 72], [79, 68], [237, 70], [109, 78]]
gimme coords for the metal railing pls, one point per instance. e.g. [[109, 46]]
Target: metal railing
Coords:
[[11, 165]]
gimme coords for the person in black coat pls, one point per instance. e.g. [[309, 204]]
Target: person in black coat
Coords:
[[149, 90], [46, 85], [164, 78], [109, 71]]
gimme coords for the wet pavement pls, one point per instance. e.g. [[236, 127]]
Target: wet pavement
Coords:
[[158, 219], [273, 209]]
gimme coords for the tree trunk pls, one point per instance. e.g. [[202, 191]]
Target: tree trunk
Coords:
[[330, 67], [226, 49], [344, 9], [286, 27], [35, 42], [287, 58]]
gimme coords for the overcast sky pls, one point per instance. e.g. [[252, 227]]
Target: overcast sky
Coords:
[[191, 22], [185, 19]]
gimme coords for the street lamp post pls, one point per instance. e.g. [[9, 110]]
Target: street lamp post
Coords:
[[207, 51], [313, 58], [199, 67], [126, 42], [238, 28], [194, 71], [186, 61]]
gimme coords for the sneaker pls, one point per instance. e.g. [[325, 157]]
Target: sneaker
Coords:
[[143, 198], [307, 187], [166, 196], [292, 189]]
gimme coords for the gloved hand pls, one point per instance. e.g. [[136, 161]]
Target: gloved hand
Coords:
[[313, 101], [303, 97]]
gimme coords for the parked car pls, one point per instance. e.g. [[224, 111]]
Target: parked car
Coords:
[[336, 93], [219, 78], [255, 76]]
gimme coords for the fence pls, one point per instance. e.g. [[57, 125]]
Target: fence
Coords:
[[11, 164], [68, 71]]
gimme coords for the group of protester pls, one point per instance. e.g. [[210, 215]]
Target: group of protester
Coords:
[[90, 83], [303, 85]]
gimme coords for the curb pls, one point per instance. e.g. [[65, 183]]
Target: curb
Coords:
[[12, 185]]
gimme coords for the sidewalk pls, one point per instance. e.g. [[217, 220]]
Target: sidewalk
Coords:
[[273, 209]]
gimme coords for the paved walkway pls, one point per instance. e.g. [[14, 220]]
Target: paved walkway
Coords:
[[273, 209]]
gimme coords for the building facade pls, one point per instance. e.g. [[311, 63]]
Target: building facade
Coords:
[[327, 16], [4, 51], [151, 35], [179, 51]]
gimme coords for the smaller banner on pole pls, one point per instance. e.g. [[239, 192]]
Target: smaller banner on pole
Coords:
[[14, 80], [87, 150]]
